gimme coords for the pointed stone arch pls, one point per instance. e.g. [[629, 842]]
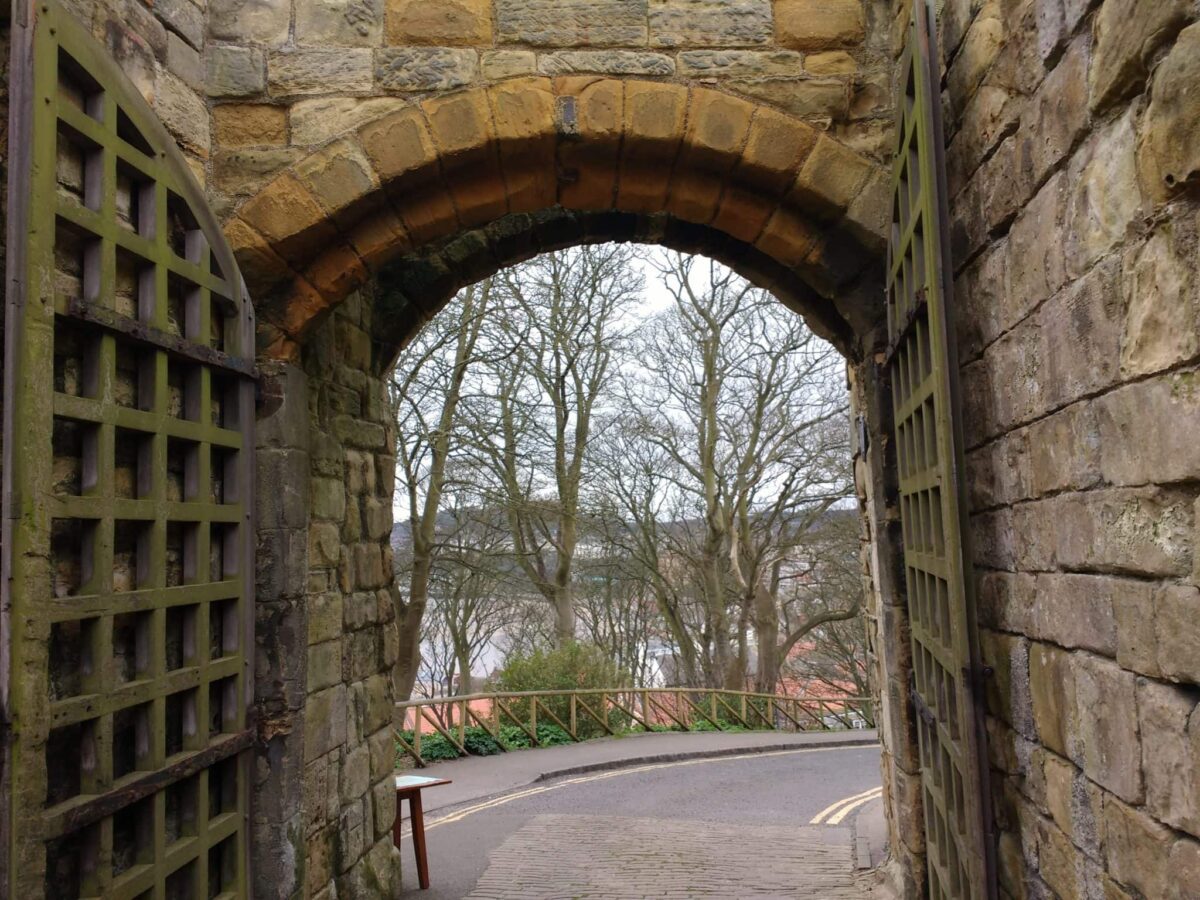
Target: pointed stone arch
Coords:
[[757, 184]]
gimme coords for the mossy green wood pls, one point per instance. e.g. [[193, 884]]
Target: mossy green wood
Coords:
[[126, 680], [923, 363]]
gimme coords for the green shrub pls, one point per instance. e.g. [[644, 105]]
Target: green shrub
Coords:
[[573, 667], [479, 742]]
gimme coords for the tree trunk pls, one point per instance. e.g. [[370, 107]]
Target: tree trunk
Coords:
[[409, 617], [766, 630]]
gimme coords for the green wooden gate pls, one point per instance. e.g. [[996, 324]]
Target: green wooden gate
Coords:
[[923, 366], [128, 465]]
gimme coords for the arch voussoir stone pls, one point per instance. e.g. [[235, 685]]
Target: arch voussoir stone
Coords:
[[756, 178]]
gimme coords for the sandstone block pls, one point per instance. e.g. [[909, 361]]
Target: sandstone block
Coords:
[[1060, 111], [328, 499], [324, 617], [1127, 34], [775, 148], [324, 544], [1169, 156], [1177, 626], [1106, 198], [183, 18], [980, 47], [425, 68], [1036, 264], [320, 119], [249, 124], [398, 144], [451, 23], [1076, 611], [819, 24], [1185, 869], [1064, 450], [184, 61], [1081, 335], [1169, 718], [184, 114], [355, 776], [235, 72], [249, 169], [1137, 849], [498, 64], [740, 63], [351, 843], [261, 21], [654, 123], [337, 175], [1162, 295], [324, 665], [1128, 414], [325, 722], [830, 179], [572, 23], [297, 72], [1109, 747], [818, 99], [1052, 688], [342, 23], [383, 801], [830, 62], [701, 23], [1136, 530], [607, 62]]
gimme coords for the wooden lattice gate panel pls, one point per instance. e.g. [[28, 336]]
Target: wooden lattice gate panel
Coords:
[[923, 372], [127, 508]]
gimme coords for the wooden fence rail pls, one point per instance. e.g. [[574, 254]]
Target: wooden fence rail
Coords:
[[596, 712]]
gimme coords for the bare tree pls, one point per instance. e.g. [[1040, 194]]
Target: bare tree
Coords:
[[558, 333], [427, 390]]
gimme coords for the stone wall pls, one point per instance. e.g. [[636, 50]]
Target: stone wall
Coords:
[[1073, 151], [286, 77], [323, 826]]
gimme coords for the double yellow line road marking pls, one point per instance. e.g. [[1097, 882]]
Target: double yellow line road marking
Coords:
[[836, 812], [461, 814]]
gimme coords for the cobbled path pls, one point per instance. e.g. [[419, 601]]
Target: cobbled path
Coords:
[[564, 857]]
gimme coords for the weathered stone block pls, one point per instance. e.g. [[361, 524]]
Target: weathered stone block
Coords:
[[298, 72], [1162, 293], [1106, 198], [249, 124], [740, 63], [324, 617], [1065, 450], [572, 23], [819, 24], [425, 68], [324, 665], [1128, 414], [1135, 530], [355, 774], [980, 47], [1052, 688], [351, 841], [1169, 718], [830, 62], [1170, 150], [1137, 849], [1076, 611], [249, 169], [1081, 333], [235, 72], [1060, 111], [263, 21], [449, 23], [1128, 33], [607, 62], [498, 64], [328, 499], [823, 99], [183, 112], [325, 722], [184, 61], [830, 179], [398, 144], [1133, 606], [1177, 626], [338, 176], [184, 18], [345, 23], [1109, 746], [702, 23]]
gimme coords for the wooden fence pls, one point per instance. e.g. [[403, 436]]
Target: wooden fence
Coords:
[[584, 714]]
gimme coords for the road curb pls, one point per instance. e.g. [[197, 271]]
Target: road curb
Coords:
[[633, 761]]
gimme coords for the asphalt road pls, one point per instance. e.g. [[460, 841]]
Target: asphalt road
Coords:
[[718, 798]]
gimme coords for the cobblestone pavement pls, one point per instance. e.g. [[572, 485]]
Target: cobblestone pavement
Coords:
[[564, 857]]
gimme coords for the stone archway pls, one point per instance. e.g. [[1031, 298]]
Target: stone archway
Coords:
[[356, 245]]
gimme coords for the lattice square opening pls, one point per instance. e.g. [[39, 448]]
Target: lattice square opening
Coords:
[[224, 470], [222, 707], [182, 553], [69, 750], [223, 637], [131, 740], [181, 636], [70, 657], [225, 397], [223, 867], [133, 386], [219, 320], [182, 807], [181, 884], [183, 470], [74, 447], [133, 836], [181, 224], [131, 637], [223, 551], [183, 390], [76, 87], [135, 200], [76, 263], [182, 719], [77, 169], [67, 859], [133, 290], [72, 555], [223, 788], [131, 464], [76, 361], [131, 564], [183, 308], [130, 134]]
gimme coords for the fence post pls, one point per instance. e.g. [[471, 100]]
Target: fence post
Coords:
[[744, 719], [604, 708], [418, 722], [685, 714], [533, 713], [646, 708], [771, 712], [462, 721], [574, 724]]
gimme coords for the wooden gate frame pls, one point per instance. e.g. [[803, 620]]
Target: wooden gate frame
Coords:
[[948, 677], [190, 335]]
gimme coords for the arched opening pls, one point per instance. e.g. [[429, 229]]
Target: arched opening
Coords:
[[357, 246]]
